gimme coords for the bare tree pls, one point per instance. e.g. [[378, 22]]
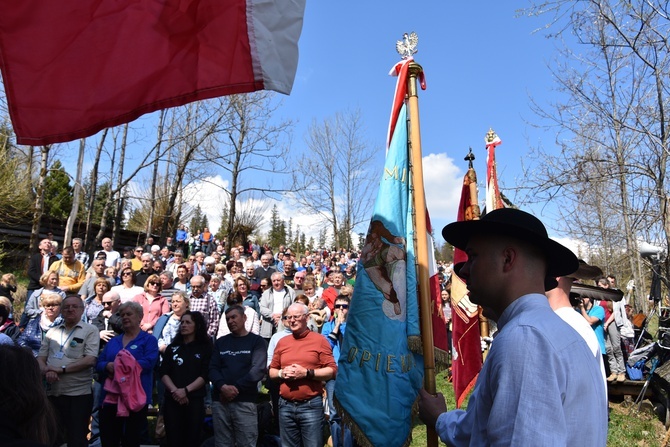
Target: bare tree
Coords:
[[251, 145], [338, 156], [612, 124]]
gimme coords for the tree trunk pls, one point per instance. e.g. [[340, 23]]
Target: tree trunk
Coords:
[[39, 198], [76, 198], [93, 188], [118, 215], [152, 209]]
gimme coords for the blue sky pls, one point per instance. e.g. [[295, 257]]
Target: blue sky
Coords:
[[482, 66]]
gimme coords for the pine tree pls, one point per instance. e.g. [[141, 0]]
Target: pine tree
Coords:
[[323, 238], [196, 224], [57, 192], [303, 242], [275, 236]]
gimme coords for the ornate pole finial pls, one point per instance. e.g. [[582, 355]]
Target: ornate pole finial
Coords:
[[407, 46], [469, 158], [490, 136]]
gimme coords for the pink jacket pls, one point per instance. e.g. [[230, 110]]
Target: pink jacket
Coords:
[[125, 389]]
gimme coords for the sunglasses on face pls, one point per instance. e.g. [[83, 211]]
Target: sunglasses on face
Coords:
[[341, 306], [127, 274], [154, 283]]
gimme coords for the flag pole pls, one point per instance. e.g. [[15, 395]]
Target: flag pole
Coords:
[[420, 231]]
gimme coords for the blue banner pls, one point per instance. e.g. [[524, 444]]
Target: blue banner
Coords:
[[378, 375]]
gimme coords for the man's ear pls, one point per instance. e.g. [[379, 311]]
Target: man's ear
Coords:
[[509, 255]]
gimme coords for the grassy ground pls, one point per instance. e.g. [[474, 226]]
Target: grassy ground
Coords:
[[626, 428]]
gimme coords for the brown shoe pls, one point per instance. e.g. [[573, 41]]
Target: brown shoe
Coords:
[[612, 377], [621, 377]]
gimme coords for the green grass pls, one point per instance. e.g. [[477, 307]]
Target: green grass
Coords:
[[626, 429]]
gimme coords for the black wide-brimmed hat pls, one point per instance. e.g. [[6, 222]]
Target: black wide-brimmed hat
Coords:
[[561, 261]]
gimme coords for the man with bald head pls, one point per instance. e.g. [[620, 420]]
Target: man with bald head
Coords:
[[112, 256], [301, 363], [540, 384]]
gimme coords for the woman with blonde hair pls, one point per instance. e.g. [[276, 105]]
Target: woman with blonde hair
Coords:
[[153, 303], [49, 282], [38, 325], [167, 326]]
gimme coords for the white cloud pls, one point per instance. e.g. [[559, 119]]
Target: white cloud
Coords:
[[210, 194], [443, 181]]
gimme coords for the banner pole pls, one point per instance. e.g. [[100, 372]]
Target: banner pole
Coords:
[[420, 231]]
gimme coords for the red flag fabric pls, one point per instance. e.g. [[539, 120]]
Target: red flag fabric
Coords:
[[71, 69], [467, 355], [440, 346]]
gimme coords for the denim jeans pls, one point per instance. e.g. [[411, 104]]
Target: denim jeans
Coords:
[[340, 439], [235, 423], [301, 422], [95, 415]]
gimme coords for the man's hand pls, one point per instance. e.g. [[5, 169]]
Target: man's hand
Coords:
[[294, 372], [276, 318], [431, 407], [51, 375], [106, 335], [228, 393]]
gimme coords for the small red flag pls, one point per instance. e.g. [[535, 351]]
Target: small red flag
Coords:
[[467, 358]]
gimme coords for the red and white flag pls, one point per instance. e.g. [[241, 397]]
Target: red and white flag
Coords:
[[493, 199], [73, 68]]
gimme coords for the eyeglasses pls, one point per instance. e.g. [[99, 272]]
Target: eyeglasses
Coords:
[[47, 306], [107, 303], [341, 306], [293, 317], [139, 251], [127, 274], [154, 283]]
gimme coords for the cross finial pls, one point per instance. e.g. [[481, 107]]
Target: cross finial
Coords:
[[470, 158]]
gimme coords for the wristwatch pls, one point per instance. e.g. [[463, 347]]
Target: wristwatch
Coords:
[[63, 369]]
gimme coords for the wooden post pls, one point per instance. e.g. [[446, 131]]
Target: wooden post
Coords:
[[420, 225]]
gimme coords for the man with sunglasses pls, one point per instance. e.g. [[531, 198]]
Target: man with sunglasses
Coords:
[[334, 330]]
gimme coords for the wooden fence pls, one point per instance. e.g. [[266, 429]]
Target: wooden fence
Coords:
[[15, 239]]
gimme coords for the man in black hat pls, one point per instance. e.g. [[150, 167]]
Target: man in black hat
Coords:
[[540, 384]]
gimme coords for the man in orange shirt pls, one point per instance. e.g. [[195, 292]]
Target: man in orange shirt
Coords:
[[301, 363]]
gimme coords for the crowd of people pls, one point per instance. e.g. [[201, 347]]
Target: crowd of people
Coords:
[[184, 333], [191, 333]]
